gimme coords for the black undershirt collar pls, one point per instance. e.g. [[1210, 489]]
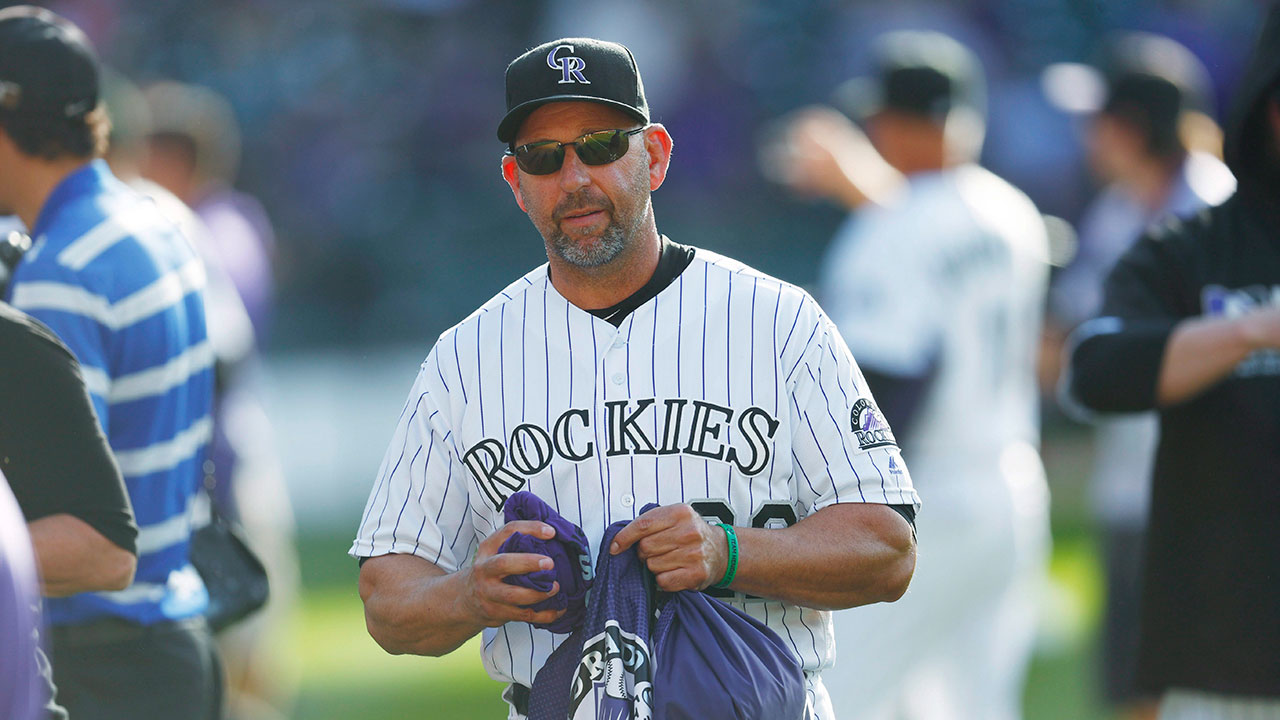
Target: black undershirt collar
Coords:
[[672, 261]]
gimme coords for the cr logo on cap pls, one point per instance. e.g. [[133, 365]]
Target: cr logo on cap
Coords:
[[570, 66]]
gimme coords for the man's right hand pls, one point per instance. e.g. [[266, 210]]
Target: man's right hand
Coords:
[[488, 599]]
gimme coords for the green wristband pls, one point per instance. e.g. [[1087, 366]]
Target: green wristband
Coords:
[[731, 568]]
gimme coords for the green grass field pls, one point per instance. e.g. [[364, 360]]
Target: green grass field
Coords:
[[346, 676]]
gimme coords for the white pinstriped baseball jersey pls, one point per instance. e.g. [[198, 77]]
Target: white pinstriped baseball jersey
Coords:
[[729, 390]]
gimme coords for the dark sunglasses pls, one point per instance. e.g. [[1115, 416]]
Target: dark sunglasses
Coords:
[[598, 148]]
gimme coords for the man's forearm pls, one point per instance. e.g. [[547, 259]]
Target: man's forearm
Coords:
[[867, 180], [73, 558], [842, 556], [414, 606], [410, 606], [1200, 353], [830, 157]]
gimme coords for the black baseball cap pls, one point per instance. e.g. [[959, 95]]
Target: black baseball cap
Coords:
[[1156, 77], [1147, 80], [1135, 69], [922, 73], [572, 69], [47, 67]]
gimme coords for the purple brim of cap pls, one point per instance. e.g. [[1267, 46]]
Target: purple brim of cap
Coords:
[[510, 124]]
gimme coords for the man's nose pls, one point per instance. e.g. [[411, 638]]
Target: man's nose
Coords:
[[573, 172]]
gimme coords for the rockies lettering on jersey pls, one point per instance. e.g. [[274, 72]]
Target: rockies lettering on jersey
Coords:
[[730, 391], [530, 449]]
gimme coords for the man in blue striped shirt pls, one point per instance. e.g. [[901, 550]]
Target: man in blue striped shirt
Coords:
[[121, 286]]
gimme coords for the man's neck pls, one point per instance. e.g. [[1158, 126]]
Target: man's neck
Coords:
[[608, 285], [41, 177]]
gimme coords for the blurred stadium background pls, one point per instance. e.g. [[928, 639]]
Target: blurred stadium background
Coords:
[[368, 135]]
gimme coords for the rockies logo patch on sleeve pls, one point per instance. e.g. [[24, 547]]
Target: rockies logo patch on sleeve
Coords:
[[869, 426]]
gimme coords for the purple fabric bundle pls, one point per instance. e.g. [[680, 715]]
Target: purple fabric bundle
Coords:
[[603, 671], [568, 550], [715, 661], [698, 659]]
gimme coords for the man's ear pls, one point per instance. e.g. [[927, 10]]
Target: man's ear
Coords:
[[657, 142], [511, 174]]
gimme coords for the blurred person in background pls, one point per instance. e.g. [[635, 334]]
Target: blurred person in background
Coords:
[[120, 286], [229, 327], [230, 330], [937, 281], [181, 150], [22, 690], [193, 151], [61, 469], [1155, 90], [1190, 327]]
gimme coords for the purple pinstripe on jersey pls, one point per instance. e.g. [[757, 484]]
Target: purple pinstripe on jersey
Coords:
[[397, 466], [631, 460], [462, 385], [546, 354], [381, 476], [396, 529], [568, 332]]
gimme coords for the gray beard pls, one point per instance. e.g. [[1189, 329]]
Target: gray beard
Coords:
[[603, 251]]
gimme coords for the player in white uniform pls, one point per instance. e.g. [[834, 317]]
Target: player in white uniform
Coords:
[[938, 284], [629, 370]]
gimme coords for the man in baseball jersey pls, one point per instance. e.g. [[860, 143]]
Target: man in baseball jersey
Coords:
[[937, 280], [627, 370]]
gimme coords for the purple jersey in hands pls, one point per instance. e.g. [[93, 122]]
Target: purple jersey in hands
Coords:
[[568, 550]]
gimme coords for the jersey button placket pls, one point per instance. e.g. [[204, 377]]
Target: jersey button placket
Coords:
[[615, 359], [615, 374]]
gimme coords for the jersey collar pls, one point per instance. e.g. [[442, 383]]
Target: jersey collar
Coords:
[[89, 178]]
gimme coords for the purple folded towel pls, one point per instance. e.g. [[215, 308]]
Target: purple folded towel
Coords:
[[568, 550]]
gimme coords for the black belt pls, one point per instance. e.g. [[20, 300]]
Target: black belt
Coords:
[[520, 698]]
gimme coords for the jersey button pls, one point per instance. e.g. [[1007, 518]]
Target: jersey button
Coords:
[[628, 501], [619, 341], [619, 378]]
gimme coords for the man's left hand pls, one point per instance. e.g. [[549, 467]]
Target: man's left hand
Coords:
[[681, 549]]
